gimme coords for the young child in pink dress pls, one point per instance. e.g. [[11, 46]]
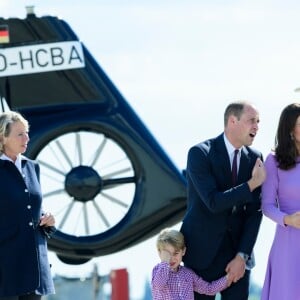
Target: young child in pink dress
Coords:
[[171, 280]]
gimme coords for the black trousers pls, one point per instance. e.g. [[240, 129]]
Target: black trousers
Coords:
[[238, 290], [25, 297]]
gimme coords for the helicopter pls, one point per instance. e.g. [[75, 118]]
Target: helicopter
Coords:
[[104, 176]]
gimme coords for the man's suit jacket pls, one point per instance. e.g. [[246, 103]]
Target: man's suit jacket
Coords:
[[211, 201]]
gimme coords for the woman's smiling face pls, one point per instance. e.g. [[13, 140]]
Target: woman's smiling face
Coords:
[[16, 141]]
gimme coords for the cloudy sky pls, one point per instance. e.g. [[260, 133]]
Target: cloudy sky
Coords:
[[178, 64]]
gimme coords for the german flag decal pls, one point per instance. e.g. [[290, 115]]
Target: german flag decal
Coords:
[[4, 34]]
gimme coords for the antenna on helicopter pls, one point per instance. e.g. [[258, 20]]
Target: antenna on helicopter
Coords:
[[3, 105], [30, 10]]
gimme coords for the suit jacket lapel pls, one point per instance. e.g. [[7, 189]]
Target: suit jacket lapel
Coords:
[[244, 165]]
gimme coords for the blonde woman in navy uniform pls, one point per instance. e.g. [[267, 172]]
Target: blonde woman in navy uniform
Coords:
[[24, 267]]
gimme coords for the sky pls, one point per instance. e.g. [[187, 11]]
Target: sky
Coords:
[[179, 63]]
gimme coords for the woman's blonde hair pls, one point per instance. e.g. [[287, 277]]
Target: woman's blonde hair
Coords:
[[6, 120], [171, 237]]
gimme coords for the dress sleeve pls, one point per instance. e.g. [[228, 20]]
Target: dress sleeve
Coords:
[[270, 192]]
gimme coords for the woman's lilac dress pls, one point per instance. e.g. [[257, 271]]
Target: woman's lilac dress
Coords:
[[282, 279]]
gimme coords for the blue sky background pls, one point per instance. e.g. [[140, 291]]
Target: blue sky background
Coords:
[[178, 64]]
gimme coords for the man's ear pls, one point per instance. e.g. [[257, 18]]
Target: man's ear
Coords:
[[183, 251], [232, 119]]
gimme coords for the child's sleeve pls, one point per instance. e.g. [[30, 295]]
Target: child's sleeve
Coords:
[[160, 275], [209, 288]]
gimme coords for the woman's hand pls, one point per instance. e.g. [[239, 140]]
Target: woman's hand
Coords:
[[47, 219], [293, 220]]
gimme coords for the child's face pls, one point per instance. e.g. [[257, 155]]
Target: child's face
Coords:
[[175, 256]]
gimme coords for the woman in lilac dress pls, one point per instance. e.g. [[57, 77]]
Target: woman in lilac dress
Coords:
[[281, 203]]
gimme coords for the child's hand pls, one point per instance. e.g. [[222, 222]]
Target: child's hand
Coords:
[[165, 256], [229, 279]]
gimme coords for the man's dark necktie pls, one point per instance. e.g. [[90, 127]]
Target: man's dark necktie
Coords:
[[234, 167]]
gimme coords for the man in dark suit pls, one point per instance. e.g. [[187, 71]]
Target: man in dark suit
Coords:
[[223, 217]]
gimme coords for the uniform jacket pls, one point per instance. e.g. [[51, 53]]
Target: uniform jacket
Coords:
[[24, 263], [211, 201]]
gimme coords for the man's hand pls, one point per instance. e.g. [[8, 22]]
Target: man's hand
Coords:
[[258, 175], [236, 268]]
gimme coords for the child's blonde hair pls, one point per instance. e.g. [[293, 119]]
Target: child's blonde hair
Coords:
[[172, 237]]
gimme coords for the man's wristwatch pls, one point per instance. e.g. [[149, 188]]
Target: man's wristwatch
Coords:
[[244, 256]]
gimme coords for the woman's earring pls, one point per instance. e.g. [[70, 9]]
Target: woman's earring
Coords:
[[292, 137]]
